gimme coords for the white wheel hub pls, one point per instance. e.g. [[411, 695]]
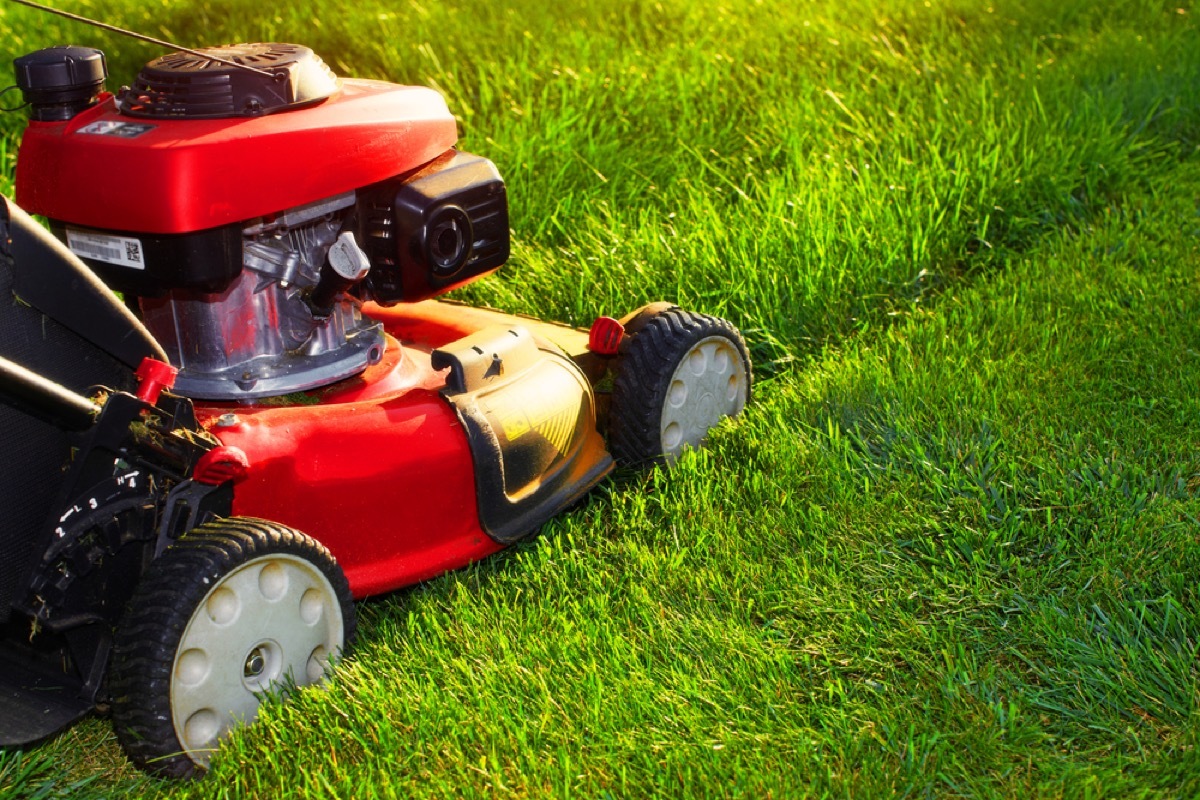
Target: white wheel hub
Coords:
[[709, 383], [273, 621]]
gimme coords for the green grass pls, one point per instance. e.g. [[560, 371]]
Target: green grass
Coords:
[[952, 548]]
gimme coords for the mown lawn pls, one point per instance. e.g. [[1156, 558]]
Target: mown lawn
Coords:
[[952, 548]]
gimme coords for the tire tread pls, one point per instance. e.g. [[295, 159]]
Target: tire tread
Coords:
[[163, 604], [643, 376]]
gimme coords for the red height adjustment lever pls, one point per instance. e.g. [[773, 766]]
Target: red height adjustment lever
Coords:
[[154, 376], [224, 463]]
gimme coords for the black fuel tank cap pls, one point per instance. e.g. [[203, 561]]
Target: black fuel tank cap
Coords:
[[59, 82]]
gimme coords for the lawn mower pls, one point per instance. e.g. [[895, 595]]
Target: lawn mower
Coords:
[[233, 402]]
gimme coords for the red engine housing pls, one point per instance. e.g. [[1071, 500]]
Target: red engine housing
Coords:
[[184, 175]]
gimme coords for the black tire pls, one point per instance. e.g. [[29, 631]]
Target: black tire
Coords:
[[655, 390], [197, 648]]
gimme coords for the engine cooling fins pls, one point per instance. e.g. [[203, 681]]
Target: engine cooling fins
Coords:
[[240, 80]]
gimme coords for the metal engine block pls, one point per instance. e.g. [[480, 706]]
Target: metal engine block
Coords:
[[260, 337]]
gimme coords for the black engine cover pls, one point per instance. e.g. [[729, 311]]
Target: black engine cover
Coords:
[[434, 230], [236, 80], [152, 264]]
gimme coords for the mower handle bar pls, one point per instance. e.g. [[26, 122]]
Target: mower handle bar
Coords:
[[40, 397]]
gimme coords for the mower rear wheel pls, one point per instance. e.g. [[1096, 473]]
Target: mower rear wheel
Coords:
[[233, 610], [679, 375]]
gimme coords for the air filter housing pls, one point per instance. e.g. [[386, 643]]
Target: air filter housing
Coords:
[[249, 80], [432, 231]]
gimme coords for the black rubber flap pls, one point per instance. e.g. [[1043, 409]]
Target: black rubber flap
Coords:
[[34, 703], [64, 324], [49, 277]]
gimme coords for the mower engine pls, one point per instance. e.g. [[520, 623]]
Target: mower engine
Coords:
[[247, 201]]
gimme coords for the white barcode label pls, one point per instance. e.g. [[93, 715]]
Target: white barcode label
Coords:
[[119, 250]]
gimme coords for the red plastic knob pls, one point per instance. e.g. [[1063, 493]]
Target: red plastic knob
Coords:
[[224, 463], [605, 336], [154, 376]]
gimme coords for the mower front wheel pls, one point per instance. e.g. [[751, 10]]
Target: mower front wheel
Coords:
[[236, 608], [679, 375]]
